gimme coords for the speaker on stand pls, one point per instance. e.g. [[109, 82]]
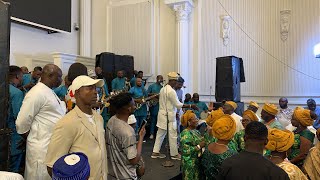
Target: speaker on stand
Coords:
[[229, 75]]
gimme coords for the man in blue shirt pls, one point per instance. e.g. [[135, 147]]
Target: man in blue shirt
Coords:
[[119, 82], [139, 93], [133, 80], [152, 90], [312, 106], [29, 80], [201, 105], [17, 156]]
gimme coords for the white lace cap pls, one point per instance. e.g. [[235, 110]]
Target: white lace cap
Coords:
[[72, 159]]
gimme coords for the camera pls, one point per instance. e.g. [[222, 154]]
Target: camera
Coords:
[[76, 26]]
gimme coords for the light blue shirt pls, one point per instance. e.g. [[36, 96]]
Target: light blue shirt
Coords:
[[27, 79], [180, 94], [202, 107], [61, 91], [316, 123], [139, 92], [118, 84], [154, 88]]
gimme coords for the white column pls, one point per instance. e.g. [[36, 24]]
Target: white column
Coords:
[[85, 28], [183, 9]]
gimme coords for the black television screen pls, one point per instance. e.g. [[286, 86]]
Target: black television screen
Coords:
[[47, 14]]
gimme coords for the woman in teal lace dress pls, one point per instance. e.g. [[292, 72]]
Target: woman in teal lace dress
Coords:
[[215, 153], [191, 143], [303, 138], [247, 117]]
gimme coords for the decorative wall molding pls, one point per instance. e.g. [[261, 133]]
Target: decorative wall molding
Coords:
[[115, 3], [225, 29], [183, 8], [182, 11], [64, 61], [285, 16]]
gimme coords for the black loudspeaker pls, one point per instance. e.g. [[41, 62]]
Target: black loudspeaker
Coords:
[[106, 62], [4, 61], [111, 63], [4, 148], [126, 63], [229, 74], [4, 83]]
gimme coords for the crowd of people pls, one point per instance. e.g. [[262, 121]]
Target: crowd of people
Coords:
[[250, 147], [85, 130]]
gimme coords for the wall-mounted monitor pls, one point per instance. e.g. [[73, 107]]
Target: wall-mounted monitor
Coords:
[[45, 14]]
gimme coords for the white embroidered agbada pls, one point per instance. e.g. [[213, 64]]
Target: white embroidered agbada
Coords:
[[168, 101], [40, 111]]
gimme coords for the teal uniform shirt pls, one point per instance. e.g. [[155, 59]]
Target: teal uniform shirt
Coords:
[[118, 84], [15, 103], [139, 92], [27, 79], [133, 82], [155, 89], [61, 91], [202, 107]]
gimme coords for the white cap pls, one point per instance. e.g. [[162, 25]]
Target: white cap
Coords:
[[173, 76], [132, 119], [83, 80]]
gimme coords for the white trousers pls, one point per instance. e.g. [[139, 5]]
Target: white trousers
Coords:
[[161, 134]]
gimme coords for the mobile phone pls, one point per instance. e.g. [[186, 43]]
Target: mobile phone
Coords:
[[144, 122]]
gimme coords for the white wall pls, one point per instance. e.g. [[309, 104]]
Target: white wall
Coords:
[[273, 67], [99, 27], [29, 43], [144, 29], [267, 78]]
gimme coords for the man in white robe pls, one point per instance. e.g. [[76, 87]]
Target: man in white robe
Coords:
[[40, 111], [168, 106]]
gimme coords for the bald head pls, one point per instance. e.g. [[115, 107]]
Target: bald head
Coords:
[[283, 103], [51, 75]]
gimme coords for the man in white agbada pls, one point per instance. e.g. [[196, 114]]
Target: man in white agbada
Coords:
[[168, 105], [41, 109]]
